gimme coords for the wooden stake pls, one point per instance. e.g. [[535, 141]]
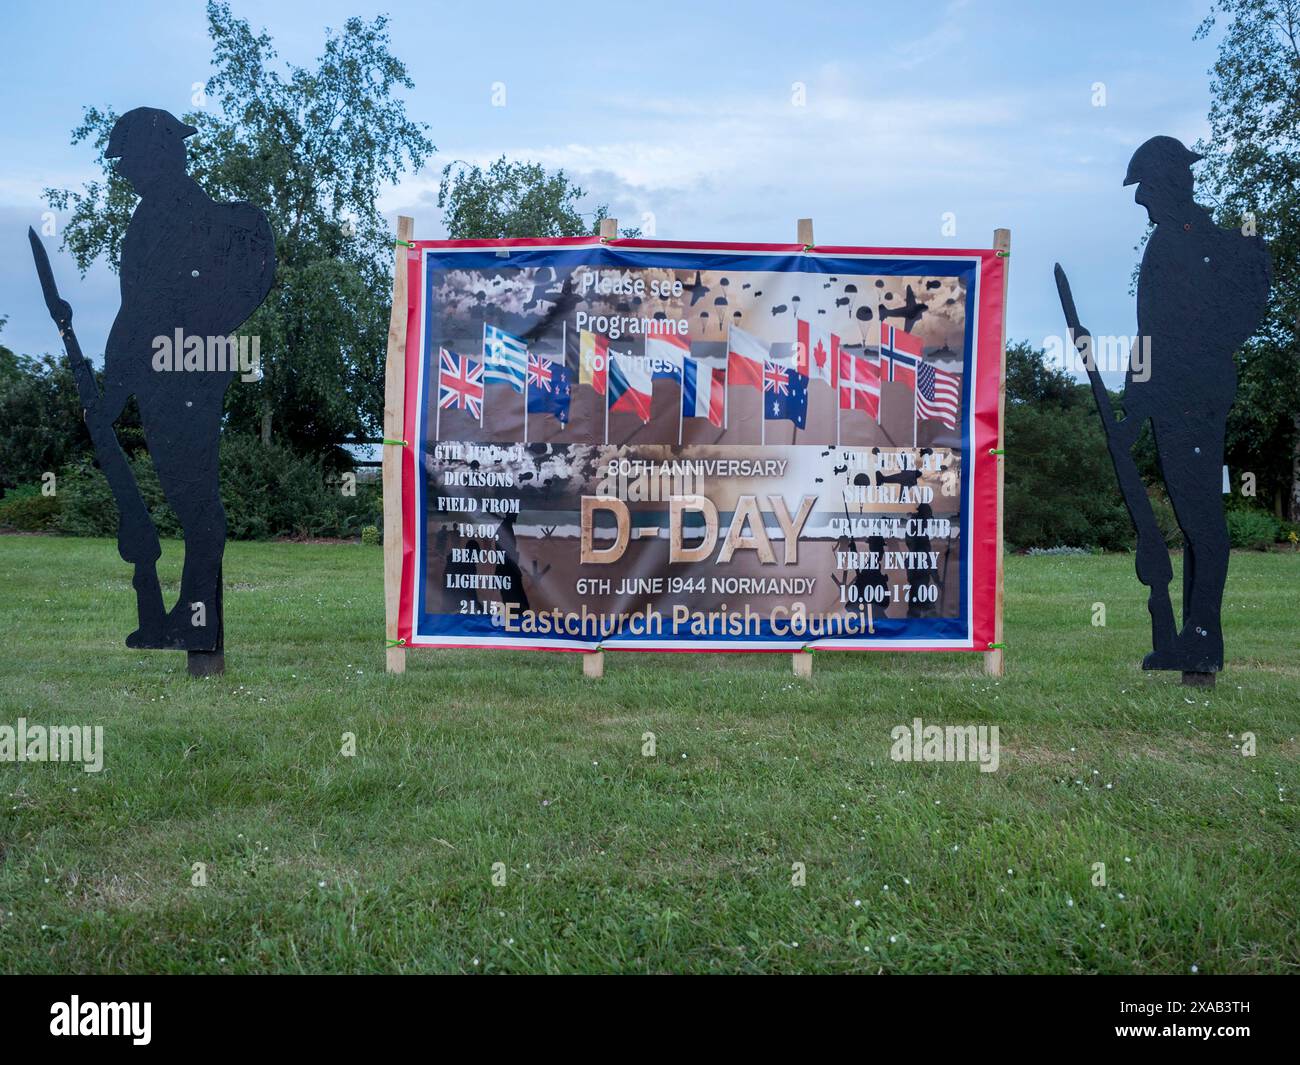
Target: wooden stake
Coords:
[[394, 428], [993, 663], [803, 659], [802, 663], [593, 663]]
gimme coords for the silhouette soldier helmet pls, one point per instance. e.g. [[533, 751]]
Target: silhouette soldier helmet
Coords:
[[1162, 168], [147, 139]]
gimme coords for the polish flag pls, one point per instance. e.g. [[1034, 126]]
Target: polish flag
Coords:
[[746, 355]]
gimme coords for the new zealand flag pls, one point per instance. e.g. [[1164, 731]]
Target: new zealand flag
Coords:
[[555, 399]]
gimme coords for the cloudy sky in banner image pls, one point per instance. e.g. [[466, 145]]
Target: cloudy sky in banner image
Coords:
[[689, 114]]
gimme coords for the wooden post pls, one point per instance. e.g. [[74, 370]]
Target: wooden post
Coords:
[[593, 662], [213, 663], [802, 660], [993, 663], [394, 428]]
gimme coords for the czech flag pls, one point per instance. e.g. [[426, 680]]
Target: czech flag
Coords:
[[704, 391], [630, 385]]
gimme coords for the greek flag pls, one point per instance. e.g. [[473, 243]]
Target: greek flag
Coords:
[[505, 357]]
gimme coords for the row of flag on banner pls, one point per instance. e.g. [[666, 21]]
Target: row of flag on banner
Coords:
[[627, 381]]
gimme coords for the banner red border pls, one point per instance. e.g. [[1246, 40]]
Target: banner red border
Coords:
[[986, 403]]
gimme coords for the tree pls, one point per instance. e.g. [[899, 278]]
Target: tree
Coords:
[[41, 429], [312, 148], [1060, 484], [1252, 168], [514, 199]]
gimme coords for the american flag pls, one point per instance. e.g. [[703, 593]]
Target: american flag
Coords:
[[539, 371], [460, 383], [938, 394], [776, 379]]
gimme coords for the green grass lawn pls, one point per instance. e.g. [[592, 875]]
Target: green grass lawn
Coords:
[[615, 861]]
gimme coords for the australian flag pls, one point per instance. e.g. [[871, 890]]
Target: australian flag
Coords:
[[555, 399], [785, 394]]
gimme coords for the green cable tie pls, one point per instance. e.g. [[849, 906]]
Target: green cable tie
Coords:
[[395, 443], [997, 451], [996, 646], [395, 643], [404, 243], [1003, 254], [808, 247]]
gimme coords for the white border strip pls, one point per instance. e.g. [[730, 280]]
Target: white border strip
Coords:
[[506, 642]]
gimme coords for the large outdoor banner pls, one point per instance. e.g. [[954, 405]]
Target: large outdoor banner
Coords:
[[683, 446]]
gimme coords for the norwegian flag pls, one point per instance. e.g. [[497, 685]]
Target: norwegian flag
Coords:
[[776, 379], [938, 394], [900, 353], [460, 383], [539, 371]]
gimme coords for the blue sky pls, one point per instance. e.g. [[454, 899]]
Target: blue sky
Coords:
[[686, 112]]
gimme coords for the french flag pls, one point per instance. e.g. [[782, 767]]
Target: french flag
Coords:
[[704, 390], [630, 385]]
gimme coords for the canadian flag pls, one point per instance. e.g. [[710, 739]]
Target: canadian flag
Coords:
[[817, 353]]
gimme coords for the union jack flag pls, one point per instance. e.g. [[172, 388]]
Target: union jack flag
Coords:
[[776, 379], [539, 371], [460, 383]]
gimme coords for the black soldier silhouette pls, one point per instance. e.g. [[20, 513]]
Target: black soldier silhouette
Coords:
[[1202, 291], [509, 568], [919, 604], [191, 272]]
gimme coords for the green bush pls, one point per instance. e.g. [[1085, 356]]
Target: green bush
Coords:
[[27, 509], [1165, 518], [86, 506], [1252, 528], [370, 535], [267, 491], [1060, 485], [270, 491]]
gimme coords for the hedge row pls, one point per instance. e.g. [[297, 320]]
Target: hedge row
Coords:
[[267, 490]]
